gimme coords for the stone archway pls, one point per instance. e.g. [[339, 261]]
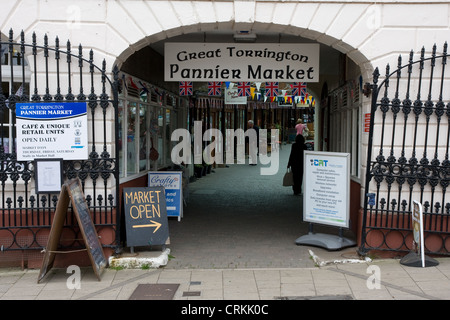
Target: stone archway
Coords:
[[204, 34], [360, 59]]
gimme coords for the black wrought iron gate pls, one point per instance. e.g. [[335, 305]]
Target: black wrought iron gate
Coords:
[[408, 155], [25, 216]]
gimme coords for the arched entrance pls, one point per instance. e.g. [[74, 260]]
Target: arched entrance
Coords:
[[366, 33], [335, 120]]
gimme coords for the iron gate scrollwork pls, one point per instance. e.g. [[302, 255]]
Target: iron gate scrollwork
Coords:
[[24, 215], [408, 155]]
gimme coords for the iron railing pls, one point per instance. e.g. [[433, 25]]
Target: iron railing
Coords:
[[26, 216]]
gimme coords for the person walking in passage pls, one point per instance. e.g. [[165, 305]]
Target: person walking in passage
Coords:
[[300, 127], [253, 143], [296, 163]]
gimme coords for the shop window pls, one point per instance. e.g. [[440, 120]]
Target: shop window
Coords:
[[356, 133], [171, 125], [168, 135], [143, 136], [131, 138], [146, 119], [160, 147], [345, 124], [121, 138]]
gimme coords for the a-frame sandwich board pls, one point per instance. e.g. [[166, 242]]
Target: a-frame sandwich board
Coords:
[[71, 192]]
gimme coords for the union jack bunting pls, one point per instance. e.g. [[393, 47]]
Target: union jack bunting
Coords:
[[244, 89], [271, 89], [143, 92], [186, 88], [214, 88], [303, 99], [299, 89]]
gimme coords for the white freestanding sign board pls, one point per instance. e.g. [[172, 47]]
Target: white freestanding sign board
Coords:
[[326, 189], [326, 197]]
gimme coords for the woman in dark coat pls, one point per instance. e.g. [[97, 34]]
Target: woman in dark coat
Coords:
[[296, 163]]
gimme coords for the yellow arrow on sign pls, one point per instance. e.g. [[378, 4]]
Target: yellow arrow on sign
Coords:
[[153, 224]]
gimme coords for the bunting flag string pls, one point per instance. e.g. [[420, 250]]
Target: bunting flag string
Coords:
[[299, 89], [265, 93], [131, 87], [143, 92], [244, 89], [214, 88], [186, 88], [303, 99], [132, 84], [271, 89], [141, 89]]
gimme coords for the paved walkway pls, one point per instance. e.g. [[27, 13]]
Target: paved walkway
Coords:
[[237, 241], [378, 280]]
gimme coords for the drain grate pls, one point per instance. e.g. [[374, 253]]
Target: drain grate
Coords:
[[191, 294], [154, 292]]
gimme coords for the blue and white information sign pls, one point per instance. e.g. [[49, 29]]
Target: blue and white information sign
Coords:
[[172, 182], [52, 130], [326, 188]]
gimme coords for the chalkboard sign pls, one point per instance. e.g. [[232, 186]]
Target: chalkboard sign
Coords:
[[71, 192], [145, 216]]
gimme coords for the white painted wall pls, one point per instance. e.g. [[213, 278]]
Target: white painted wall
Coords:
[[371, 33]]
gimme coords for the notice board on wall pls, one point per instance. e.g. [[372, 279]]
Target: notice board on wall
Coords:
[[71, 192], [326, 188]]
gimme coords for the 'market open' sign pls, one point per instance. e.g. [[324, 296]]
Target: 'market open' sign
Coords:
[[145, 216]]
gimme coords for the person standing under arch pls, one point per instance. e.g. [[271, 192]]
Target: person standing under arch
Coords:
[[253, 145], [296, 163], [300, 127]]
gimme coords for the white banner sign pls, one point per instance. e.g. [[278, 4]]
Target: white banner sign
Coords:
[[52, 130], [255, 62], [326, 188]]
